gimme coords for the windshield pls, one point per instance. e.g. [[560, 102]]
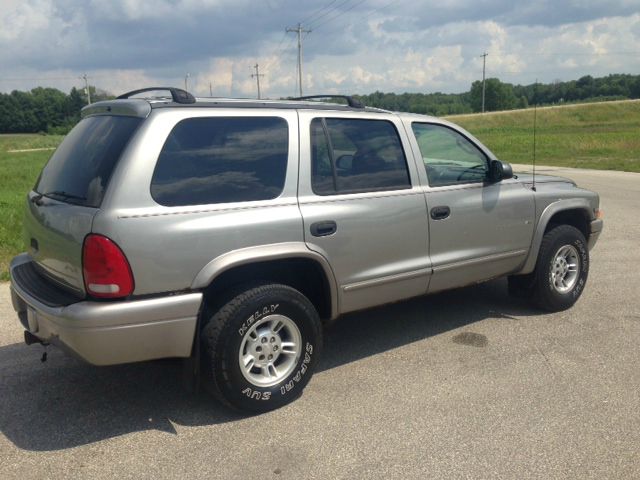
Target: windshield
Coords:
[[79, 170]]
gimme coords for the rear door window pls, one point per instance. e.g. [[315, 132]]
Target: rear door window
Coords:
[[79, 170], [356, 155], [211, 160]]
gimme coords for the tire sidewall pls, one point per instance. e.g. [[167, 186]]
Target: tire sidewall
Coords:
[[234, 386]]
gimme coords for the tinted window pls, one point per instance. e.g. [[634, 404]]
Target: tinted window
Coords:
[[448, 156], [222, 159], [79, 170], [354, 155]]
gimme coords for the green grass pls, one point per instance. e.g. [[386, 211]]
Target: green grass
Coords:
[[604, 136], [18, 173]]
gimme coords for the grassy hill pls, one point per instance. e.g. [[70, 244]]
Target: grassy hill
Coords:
[[603, 136]]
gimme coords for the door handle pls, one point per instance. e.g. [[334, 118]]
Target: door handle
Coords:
[[440, 213], [324, 228]]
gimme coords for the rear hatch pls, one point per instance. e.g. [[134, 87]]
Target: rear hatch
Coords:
[[68, 194]]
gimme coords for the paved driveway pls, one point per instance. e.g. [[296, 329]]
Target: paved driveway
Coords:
[[465, 384]]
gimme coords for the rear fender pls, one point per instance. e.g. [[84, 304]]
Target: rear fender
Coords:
[[277, 251]]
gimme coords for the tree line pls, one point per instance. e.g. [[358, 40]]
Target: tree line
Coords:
[[44, 110], [49, 110], [506, 96]]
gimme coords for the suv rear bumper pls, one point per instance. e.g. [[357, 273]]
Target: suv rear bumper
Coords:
[[109, 333]]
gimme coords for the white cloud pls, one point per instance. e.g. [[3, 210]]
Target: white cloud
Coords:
[[18, 18]]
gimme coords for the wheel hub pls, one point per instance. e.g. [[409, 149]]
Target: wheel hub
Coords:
[[270, 350], [265, 348], [565, 269]]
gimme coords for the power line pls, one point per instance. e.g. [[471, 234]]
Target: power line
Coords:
[[280, 48], [317, 11], [362, 19], [371, 12], [331, 10], [316, 26]]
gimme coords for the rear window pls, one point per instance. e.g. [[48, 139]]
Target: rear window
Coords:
[[79, 170], [222, 159]]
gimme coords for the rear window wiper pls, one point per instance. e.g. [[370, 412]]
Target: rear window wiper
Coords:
[[57, 193]]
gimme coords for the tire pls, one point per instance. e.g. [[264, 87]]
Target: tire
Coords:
[[261, 348], [561, 270]]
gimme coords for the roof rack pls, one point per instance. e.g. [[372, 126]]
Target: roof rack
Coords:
[[352, 102], [178, 95]]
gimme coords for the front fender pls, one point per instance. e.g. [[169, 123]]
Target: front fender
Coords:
[[545, 217]]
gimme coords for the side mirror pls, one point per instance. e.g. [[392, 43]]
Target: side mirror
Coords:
[[344, 162], [500, 171]]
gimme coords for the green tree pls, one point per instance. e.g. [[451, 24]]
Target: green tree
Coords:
[[498, 95]]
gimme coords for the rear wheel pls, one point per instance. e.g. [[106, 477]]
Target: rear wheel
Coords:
[[261, 348], [562, 268]]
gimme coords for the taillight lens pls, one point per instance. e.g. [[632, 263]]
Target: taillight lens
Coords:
[[107, 273]]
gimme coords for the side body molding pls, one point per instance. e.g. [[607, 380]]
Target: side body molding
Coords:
[[264, 253], [547, 214]]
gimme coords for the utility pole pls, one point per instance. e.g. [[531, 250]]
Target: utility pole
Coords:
[[86, 88], [257, 75], [299, 30], [484, 64], [186, 78], [210, 90]]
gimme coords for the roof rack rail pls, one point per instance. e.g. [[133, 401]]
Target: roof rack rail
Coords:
[[352, 102], [178, 95]]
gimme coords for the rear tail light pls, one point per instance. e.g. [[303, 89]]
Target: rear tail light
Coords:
[[107, 273]]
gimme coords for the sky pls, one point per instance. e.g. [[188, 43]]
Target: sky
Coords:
[[354, 46]]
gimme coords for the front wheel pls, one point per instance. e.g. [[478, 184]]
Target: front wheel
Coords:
[[562, 268], [261, 348]]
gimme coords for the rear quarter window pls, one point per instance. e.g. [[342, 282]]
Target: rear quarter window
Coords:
[[222, 159], [79, 170]]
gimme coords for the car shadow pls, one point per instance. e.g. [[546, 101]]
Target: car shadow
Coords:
[[63, 403]]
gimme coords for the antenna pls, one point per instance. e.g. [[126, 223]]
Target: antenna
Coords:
[[535, 118]]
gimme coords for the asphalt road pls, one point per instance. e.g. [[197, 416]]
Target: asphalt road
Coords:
[[465, 384]]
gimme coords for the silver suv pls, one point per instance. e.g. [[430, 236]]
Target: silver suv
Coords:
[[230, 232]]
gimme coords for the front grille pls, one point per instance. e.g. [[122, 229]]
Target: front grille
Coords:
[[26, 277]]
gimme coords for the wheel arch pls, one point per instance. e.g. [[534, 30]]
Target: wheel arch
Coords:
[[290, 263], [575, 212]]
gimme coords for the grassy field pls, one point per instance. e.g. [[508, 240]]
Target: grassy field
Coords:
[[600, 136], [18, 173], [604, 136]]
